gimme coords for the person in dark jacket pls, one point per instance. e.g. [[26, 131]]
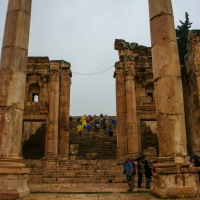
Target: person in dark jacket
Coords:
[[128, 168], [110, 132], [148, 174], [139, 172]]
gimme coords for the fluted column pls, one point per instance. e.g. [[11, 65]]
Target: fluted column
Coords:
[[51, 149], [172, 177], [64, 110], [13, 174], [120, 110], [131, 114]]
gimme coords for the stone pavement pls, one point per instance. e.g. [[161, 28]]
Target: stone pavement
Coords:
[[87, 191]]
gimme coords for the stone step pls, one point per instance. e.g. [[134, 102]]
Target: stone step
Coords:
[[81, 179]]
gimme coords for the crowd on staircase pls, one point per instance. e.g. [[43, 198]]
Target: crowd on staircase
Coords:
[[86, 123]]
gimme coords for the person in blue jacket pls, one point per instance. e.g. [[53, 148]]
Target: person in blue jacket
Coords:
[[128, 169], [88, 128]]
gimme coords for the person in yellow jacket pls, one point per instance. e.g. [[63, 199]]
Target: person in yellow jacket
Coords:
[[80, 129], [83, 121]]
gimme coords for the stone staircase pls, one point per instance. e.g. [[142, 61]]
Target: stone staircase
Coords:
[[95, 160], [94, 143], [77, 171]]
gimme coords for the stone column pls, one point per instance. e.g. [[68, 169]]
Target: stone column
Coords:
[[13, 174], [131, 113], [172, 178], [121, 111], [64, 110], [51, 149]]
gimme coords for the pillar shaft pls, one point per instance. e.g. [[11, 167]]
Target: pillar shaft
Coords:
[[121, 111], [173, 178], [64, 112], [131, 114], [52, 130], [13, 182], [167, 80]]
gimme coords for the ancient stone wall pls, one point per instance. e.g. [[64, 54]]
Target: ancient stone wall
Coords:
[[47, 102], [140, 58], [191, 85]]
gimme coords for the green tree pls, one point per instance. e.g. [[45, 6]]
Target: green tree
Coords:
[[182, 33]]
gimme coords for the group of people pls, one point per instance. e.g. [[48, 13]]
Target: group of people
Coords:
[[84, 123], [130, 170]]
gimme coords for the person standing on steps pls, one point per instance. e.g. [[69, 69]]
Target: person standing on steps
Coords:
[[88, 128], [96, 125], [148, 174], [110, 132], [139, 172], [128, 168], [80, 129]]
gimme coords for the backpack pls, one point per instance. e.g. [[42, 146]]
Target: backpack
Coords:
[[134, 167]]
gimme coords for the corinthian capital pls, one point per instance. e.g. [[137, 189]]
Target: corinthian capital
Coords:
[[129, 73], [54, 74]]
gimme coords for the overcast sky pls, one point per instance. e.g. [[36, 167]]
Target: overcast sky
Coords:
[[82, 32]]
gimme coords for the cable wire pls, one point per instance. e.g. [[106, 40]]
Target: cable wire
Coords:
[[93, 73]]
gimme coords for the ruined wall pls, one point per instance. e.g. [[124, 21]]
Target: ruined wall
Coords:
[[141, 59], [191, 85], [47, 102]]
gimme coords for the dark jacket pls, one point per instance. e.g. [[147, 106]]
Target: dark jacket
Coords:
[[147, 171]]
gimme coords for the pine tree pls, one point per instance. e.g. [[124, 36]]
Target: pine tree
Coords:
[[182, 33]]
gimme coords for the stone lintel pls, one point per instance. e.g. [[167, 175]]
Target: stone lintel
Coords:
[[38, 59]]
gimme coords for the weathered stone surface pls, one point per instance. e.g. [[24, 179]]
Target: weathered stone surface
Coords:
[[120, 44], [160, 31], [164, 60], [11, 95], [170, 109], [162, 7], [13, 183], [173, 142], [170, 98], [15, 29], [50, 80], [135, 66], [175, 186], [11, 132], [16, 59], [191, 92]]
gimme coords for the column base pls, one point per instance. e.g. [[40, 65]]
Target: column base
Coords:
[[174, 180], [51, 164], [13, 183], [175, 186]]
